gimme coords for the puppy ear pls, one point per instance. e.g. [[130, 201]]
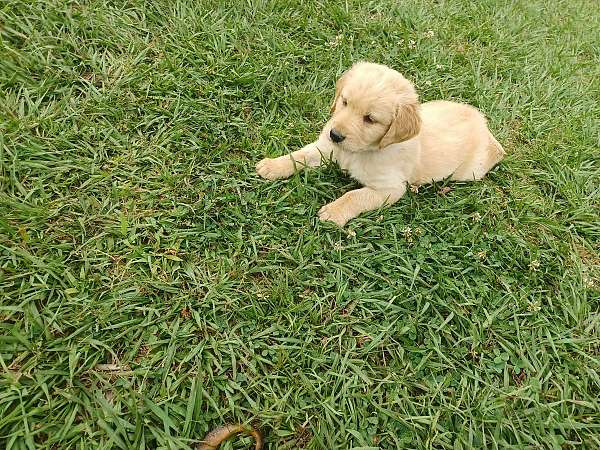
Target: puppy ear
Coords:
[[339, 85], [405, 125]]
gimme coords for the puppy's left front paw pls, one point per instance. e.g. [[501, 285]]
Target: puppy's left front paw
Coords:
[[335, 212]]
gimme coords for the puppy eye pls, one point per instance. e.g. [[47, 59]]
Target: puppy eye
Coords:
[[368, 119], [344, 102]]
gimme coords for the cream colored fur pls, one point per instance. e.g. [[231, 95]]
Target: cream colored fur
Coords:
[[391, 141]]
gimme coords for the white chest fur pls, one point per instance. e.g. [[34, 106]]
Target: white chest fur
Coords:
[[387, 168]]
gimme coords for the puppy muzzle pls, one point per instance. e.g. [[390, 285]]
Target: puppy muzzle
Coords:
[[336, 136]]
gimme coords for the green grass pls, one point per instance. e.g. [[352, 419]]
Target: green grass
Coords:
[[134, 231]]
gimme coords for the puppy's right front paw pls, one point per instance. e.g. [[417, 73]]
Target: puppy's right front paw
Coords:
[[275, 168]]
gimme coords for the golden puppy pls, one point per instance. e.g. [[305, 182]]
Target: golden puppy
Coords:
[[385, 139]]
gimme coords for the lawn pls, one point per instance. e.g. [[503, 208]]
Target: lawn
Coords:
[[153, 287]]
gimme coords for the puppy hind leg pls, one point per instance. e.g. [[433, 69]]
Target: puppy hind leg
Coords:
[[489, 154], [495, 150], [492, 155]]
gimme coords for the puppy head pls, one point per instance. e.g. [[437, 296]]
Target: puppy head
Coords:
[[374, 106]]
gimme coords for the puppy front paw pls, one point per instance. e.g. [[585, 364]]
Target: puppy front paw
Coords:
[[275, 168], [335, 212]]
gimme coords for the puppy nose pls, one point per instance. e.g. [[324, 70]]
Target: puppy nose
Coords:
[[336, 136]]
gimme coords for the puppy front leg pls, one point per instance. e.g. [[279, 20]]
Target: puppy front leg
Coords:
[[353, 203], [311, 155], [285, 166]]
